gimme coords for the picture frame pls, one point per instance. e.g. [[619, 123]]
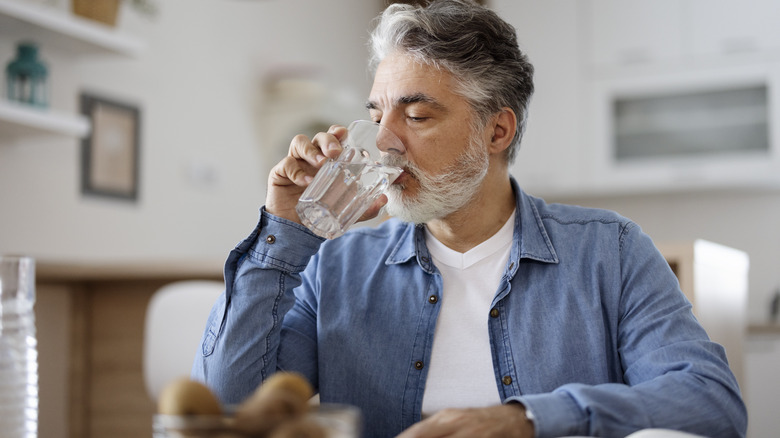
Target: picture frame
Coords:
[[110, 153]]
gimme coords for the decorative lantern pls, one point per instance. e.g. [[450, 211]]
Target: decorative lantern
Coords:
[[26, 77]]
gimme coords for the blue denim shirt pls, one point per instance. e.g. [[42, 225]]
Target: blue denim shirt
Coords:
[[588, 328]]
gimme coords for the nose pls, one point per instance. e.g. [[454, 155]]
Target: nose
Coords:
[[388, 142]]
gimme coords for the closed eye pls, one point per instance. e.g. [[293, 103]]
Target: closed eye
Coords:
[[373, 111]]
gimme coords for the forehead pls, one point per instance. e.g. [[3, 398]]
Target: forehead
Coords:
[[399, 78]]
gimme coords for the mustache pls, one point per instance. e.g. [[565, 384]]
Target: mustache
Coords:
[[402, 162], [394, 160]]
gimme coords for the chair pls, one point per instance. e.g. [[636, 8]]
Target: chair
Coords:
[[175, 320]]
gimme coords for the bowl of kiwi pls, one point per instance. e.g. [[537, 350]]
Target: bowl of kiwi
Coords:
[[279, 408]]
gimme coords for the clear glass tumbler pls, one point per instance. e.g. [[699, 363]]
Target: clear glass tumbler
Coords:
[[18, 349], [344, 188]]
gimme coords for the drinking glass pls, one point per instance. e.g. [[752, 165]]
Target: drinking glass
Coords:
[[18, 349], [344, 188]]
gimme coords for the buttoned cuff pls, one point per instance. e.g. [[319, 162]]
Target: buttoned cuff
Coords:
[[554, 414], [281, 244]]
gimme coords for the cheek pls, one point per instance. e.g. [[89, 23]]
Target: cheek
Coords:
[[434, 149], [425, 153]]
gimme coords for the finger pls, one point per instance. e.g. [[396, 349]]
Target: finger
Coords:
[[304, 149], [291, 171], [329, 143], [338, 131]]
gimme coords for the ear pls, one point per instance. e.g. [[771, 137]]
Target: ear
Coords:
[[504, 128]]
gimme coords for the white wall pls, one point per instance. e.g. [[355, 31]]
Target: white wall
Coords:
[[199, 84]]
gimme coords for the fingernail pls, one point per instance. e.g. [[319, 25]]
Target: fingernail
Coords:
[[320, 158], [308, 179], [334, 146]]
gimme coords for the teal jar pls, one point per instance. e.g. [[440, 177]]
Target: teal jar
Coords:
[[26, 77]]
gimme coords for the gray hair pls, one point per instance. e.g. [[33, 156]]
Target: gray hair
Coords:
[[469, 41]]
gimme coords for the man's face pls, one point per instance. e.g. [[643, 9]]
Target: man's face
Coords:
[[447, 161]]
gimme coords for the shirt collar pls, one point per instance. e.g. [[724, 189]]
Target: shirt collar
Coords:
[[530, 240]]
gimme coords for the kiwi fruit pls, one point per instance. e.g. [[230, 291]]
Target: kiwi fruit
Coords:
[[286, 381], [281, 398], [187, 397]]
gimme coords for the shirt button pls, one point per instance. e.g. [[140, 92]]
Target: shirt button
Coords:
[[418, 365], [494, 313], [433, 299], [271, 239], [506, 380]]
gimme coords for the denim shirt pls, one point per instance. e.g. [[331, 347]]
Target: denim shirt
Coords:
[[588, 328]]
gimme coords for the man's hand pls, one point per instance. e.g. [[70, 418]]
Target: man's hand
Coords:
[[290, 177], [504, 421]]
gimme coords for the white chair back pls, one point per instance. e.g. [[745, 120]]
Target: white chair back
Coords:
[[175, 322]]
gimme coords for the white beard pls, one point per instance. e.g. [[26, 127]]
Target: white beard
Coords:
[[443, 194]]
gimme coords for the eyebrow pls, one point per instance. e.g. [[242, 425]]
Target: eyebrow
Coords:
[[410, 99]]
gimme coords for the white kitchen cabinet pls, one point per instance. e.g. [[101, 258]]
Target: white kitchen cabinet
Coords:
[[622, 33], [734, 27], [722, 164], [663, 51], [626, 32]]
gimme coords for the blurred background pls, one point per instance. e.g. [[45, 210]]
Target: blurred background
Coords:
[[146, 158]]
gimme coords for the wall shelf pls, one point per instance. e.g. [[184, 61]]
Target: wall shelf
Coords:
[[19, 119], [57, 28]]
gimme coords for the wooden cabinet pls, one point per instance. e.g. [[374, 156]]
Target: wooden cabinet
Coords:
[[90, 321]]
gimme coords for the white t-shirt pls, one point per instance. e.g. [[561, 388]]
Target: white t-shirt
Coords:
[[460, 372]]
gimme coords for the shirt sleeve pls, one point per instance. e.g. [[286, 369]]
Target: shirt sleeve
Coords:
[[241, 341], [674, 377]]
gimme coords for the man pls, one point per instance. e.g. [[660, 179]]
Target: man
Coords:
[[478, 310]]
